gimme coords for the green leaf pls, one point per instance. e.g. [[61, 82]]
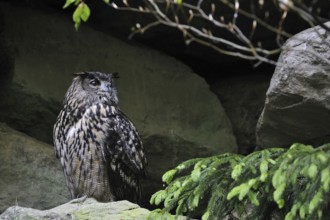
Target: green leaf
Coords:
[[253, 198], [77, 15], [281, 203], [294, 178], [312, 171], [154, 214], [81, 13], [302, 212], [168, 176], [182, 208], [168, 200], [176, 194], [236, 171], [252, 182], [292, 214], [301, 147], [304, 171], [271, 161], [187, 164], [179, 2], [244, 190], [195, 174], [278, 195], [152, 199], [278, 178], [234, 192], [206, 215], [177, 184], [294, 208], [295, 145], [68, 3], [263, 167], [106, 1], [187, 182], [86, 12], [289, 216], [195, 201], [321, 157], [76, 26], [325, 179], [158, 197], [263, 177], [167, 216], [315, 202]]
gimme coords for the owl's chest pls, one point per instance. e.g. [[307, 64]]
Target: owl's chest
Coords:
[[85, 151], [88, 133]]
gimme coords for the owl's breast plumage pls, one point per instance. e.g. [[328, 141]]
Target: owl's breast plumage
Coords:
[[82, 148]]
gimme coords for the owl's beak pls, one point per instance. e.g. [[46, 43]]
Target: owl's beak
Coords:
[[105, 87]]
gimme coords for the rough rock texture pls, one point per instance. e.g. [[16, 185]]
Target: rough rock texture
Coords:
[[29, 113], [297, 107], [243, 99], [30, 174], [89, 209], [161, 95]]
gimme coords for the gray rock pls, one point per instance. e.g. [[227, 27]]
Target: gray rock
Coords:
[[297, 107], [89, 209], [30, 174], [243, 99], [160, 94], [32, 114]]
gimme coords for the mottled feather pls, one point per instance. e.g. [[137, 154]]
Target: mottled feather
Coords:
[[99, 148]]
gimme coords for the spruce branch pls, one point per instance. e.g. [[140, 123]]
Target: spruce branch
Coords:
[[280, 183]]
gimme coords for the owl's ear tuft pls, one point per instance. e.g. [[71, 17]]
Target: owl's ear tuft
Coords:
[[115, 75], [80, 74]]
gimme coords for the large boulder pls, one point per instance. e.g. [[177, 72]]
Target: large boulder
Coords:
[[30, 174], [161, 95], [81, 210], [297, 107], [243, 99]]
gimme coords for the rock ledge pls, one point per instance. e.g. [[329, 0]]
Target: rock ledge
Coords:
[[89, 209]]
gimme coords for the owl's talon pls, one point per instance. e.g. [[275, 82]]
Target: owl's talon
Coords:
[[78, 200]]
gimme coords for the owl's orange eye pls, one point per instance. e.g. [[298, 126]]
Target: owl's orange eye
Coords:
[[94, 82]]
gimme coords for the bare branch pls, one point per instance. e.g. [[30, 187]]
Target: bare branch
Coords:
[[203, 22]]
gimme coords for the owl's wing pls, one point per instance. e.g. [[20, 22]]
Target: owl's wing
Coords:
[[125, 144], [59, 134], [125, 157]]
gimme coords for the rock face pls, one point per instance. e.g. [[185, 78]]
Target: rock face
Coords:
[[297, 107], [30, 174], [161, 95], [243, 99], [89, 209], [29, 113]]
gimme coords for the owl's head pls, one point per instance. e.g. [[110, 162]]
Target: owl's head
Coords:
[[94, 87]]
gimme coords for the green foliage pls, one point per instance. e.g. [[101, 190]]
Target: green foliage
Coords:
[[81, 13], [279, 183]]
